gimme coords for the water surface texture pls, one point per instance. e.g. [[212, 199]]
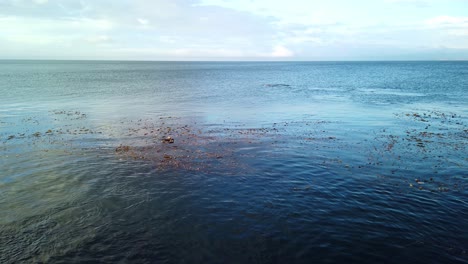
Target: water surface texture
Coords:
[[219, 162]]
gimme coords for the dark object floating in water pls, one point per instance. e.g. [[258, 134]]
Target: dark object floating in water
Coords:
[[122, 148], [277, 85], [168, 140]]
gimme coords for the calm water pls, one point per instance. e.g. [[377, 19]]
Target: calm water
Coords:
[[323, 162]]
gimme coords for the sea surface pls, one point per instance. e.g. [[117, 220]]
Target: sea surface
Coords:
[[233, 162]]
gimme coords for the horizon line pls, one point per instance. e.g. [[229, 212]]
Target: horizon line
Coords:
[[131, 60]]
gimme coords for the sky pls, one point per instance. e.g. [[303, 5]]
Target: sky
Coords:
[[308, 30]]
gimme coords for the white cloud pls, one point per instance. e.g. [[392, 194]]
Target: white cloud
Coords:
[[459, 32], [101, 24], [24, 37], [99, 39], [448, 21], [143, 21], [41, 2], [417, 3], [187, 53], [280, 51], [168, 39], [33, 40], [17, 25], [203, 52]]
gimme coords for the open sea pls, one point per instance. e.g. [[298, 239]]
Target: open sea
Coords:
[[233, 162]]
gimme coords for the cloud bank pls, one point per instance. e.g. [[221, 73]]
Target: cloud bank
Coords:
[[233, 30]]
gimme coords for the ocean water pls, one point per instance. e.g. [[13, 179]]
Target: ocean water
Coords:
[[233, 162]]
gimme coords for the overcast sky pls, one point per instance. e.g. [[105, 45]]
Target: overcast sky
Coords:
[[234, 30]]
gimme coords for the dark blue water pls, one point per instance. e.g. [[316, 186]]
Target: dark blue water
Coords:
[[218, 162]]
